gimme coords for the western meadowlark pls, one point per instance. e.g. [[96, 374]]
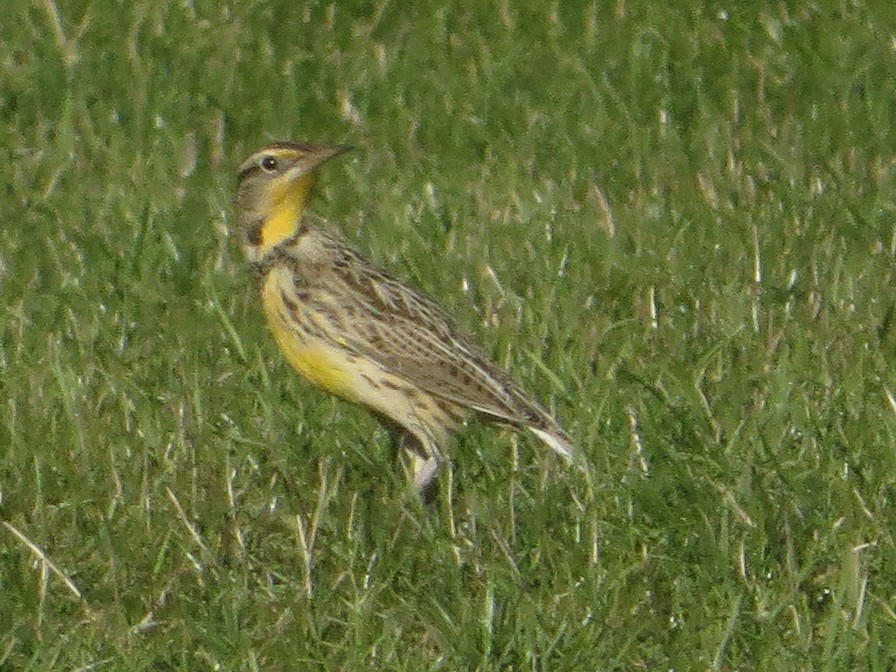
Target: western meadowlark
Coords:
[[361, 334]]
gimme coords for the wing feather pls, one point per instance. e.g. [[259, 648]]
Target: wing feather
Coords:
[[411, 336], [383, 320]]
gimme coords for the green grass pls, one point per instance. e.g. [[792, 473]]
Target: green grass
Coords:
[[673, 223]]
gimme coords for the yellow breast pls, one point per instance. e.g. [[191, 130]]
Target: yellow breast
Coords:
[[322, 363]]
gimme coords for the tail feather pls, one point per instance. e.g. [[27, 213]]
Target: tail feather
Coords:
[[556, 439]]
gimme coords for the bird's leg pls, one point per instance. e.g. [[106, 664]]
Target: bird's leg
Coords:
[[423, 464], [424, 470]]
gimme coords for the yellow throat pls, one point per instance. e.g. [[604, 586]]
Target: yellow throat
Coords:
[[286, 205]]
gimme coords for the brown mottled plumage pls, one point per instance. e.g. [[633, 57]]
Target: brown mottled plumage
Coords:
[[360, 333]]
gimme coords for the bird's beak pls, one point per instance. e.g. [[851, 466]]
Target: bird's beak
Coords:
[[325, 153], [313, 158]]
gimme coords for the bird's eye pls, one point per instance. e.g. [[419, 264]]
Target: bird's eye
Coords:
[[269, 163]]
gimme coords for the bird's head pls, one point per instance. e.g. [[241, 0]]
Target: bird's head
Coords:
[[273, 187]]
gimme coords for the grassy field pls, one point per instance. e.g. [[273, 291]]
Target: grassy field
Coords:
[[672, 222]]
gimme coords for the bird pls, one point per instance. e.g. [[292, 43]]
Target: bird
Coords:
[[360, 333]]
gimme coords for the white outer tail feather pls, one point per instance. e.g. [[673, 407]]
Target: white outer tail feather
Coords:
[[557, 443]]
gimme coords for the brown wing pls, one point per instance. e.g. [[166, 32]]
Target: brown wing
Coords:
[[411, 336]]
